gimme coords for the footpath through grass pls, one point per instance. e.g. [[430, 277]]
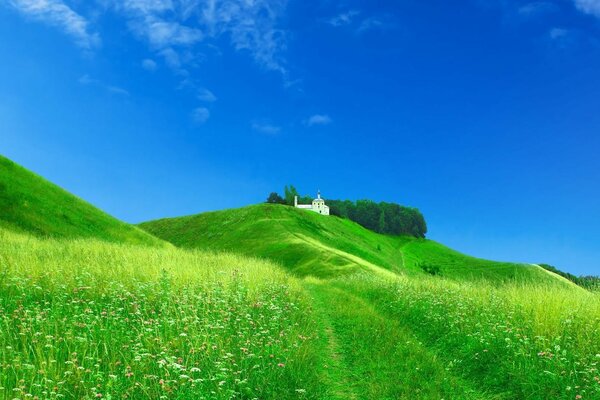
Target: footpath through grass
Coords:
[[85, 319], [309, 244], [372, 356], [522, 341]]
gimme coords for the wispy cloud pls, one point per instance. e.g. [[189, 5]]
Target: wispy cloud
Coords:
[[170, 25], [206, 95], [558, 33], [173, 29], [200, 115], [371, 23], [589, 6], [319, 119], [356, 20], [266, 128], [536, 8], [57, 13], [344, 18], [149, 65], [86, 80]]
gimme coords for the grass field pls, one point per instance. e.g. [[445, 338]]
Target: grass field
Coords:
[[31, 204], [93, 308], [309, 244], [87, 319], [83, 319], [516, 341]]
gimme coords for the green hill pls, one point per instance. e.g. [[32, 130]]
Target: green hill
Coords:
[[311, 244], [88, 319], [29, 203]]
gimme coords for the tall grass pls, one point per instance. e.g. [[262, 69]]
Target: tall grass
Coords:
[[521, 341], [87, 319]]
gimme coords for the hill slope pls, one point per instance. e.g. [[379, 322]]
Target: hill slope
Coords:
[[29, 203], [311, 244]]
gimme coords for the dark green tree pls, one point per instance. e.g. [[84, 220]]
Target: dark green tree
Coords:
[[382, 224], [289, 193], [275, 198]]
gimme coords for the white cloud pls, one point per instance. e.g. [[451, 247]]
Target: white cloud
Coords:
[[161, 34], [370, 23], [171, 57], [589, 6], [200, 115], [169, 25], [149, 65], [354, 20], [537, 8], [558, 33], [266, 128], [174, 29], [345, 18], [206, 95], [117, 90], [319, 119], [58, 14], [86, 80]]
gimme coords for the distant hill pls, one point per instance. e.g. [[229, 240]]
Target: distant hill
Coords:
[[309, 244], [29, 203]]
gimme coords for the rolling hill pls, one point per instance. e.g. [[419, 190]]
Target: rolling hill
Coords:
[[29, 203], [312, 245], [90, 319]]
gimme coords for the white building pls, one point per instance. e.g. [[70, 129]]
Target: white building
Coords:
[[318, 205]]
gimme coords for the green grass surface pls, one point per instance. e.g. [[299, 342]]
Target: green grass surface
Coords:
[[88, 319], [309, 244], [342, 312], [515, 341], [29, 203]]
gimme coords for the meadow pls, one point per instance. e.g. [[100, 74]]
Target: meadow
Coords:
[[514, 341], [181, 308], [86, 319]]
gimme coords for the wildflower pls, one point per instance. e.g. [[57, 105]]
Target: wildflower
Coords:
[[281, 365]]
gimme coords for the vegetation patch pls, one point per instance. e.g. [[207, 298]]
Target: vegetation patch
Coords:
[[515, 341], [29, 203], [87, 319]]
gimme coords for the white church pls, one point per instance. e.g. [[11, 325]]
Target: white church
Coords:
[[318, 205]]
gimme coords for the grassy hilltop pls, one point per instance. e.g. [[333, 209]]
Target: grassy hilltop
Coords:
[[29, 203], [331, 311], [309, 244]]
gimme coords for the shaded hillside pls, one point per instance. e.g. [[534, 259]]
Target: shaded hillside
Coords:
[[29, 203], [311, 244]]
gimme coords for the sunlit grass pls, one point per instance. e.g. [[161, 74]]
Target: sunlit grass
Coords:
[[530, 341], [83, 319], [86, 319]]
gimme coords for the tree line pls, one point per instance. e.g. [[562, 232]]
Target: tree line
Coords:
[[383, 217], [589, 282]]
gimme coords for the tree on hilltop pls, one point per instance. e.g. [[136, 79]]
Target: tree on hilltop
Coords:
[[289, 193], [275, 198]]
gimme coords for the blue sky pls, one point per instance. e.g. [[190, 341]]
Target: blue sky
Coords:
[[483, 114]]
